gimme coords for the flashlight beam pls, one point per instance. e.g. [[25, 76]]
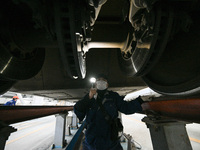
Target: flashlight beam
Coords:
[[92, 80]]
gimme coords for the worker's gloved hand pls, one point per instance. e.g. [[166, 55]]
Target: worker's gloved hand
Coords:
[[146, 98]]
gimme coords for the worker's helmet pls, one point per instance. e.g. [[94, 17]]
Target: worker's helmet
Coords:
[[16, 97]]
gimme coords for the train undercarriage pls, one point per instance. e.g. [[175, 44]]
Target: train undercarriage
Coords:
[[157, 41]]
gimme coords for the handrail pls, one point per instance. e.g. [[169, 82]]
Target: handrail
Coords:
[[76, 138], [14, 114]]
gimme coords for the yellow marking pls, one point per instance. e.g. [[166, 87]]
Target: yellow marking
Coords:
[[28, 134], [23, 123], [32, 124], [132, 119], [20, 124], [18, 129], [27, 124], [195, 140]]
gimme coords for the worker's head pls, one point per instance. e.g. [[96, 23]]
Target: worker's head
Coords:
[[102, 82], [15, 98]]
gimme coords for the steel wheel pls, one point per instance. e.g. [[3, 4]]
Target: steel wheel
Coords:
[[177, 72], [149, 41], [70, 37], [16, 64]]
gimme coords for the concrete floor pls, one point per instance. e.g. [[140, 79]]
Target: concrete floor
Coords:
[[140, 133], [38, 134]]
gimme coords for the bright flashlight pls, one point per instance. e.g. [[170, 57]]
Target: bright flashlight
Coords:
[[92, 80]]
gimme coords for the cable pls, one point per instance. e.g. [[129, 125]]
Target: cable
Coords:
[[136, 143]]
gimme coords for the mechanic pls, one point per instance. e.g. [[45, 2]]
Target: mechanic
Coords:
[[12, 102], [97, 134]]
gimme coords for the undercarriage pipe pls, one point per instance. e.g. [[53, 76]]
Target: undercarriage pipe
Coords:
[[14, 114], [180, 109]]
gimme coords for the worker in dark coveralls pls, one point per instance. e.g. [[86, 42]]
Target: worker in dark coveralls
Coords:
[[12, 102], [98, 135]]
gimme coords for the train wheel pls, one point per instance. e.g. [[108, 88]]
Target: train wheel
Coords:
[[177, 72], [70, 37], [16, 64], [151, 32]]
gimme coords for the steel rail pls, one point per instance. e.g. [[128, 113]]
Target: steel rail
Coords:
[[14, 114], [179, 109]]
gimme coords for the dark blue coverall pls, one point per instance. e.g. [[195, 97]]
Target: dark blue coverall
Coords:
[[97, 135], [10, 103]]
